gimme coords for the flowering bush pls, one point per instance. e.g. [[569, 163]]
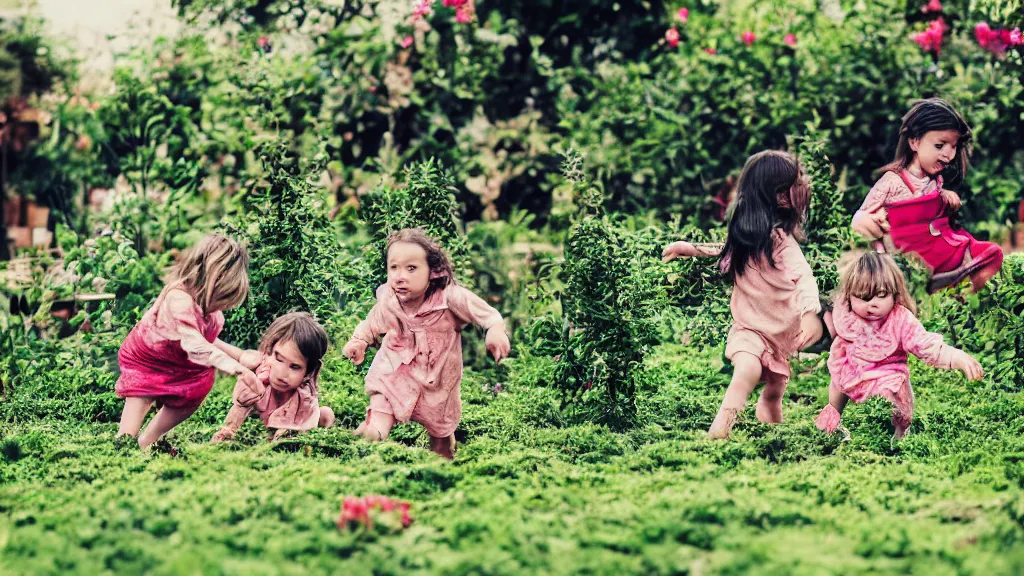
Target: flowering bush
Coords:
[[356, 511]]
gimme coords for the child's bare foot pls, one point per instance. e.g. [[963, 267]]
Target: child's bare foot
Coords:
[[444, 447], [768, 411], [373, 431], [723, 424], [326, 417], [223, 435]]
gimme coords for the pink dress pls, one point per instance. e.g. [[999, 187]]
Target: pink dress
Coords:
[[767, 305], [867, 360], [918, 224], [417, 373], [170, 356], [297, 409]]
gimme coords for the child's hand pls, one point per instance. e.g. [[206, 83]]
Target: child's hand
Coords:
[[810, 329], [871, 225], [250, 359], [251, 381], [966, 363], [952, 200], [355, 351], [677, 249], [497, 343]]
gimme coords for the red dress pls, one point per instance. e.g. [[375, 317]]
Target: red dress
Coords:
[[160, 361]]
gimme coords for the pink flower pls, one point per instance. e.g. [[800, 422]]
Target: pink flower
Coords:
[[462, 15], [422, 9], [454, 3], [931, 39], [711, 51], [748, 38], [932, 6], [407, 41], [264, 43], [995, 41], [672, 37], [683, 15], [1015, 37], [790, 39]]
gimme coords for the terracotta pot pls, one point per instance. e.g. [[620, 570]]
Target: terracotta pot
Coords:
[[12, 210], [38, 216], [21, 236]]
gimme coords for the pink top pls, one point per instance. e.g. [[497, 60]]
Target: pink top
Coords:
[[419, 364], [297, 409], [864, 353], [170, 355], [891, 188], [771, 301]]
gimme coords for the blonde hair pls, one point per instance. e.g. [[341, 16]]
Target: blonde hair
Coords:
[[215, 272], [307, 334], [870, 274]]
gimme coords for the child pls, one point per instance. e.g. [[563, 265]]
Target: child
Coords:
[[875, 329], [909, 203], [169, 357], [775, 298], [286, 395], [420, 311]]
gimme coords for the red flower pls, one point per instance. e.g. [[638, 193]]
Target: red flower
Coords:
[[711, 51], [264, 43], [790, 39], [588, 385], [672, 37], [748, 38], [683, 15], [406, 42], [454, 3], [931, 39], [995, 41], [932, 6]]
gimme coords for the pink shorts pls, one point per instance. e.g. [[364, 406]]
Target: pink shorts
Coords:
[[749, 341]]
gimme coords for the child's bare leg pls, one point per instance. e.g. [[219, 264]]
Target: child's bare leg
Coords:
[[326, 417], [837, 399], [829, 323], [236, 417], [134, 413], [769, 406], [376, 427], [443, 446], [164, 421], [745, 376], [902, 412]]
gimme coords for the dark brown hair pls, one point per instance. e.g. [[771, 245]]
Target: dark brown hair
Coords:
[[932, 115], [441, 271], [309, 337], [771, 193]]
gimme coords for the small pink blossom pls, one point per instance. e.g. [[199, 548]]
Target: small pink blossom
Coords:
[[454, 3], [406, 42], [462, 16], [1015, 37], [932, 6], [264, 43], [672, 37], [995, 41], [789, 39], [711, 51], [423, 8], [931, 39], [748, 38], [683, 15]]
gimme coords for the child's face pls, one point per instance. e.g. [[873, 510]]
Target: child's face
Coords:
[[408, 272], [873, 308], [935, 150], [287, 366]]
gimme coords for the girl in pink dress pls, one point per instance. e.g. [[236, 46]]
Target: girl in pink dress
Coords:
[[170, 356], [909, 206], [875, 328], [417, 372], [774, 301], [287, 393]]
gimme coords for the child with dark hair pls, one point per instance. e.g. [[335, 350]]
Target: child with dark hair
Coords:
[[774, 301], [909, 204], [420, 311], [286, 391]]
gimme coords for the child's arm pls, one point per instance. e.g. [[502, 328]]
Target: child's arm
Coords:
[[871, 220], [367, 332], [243, 400], [800, 277], [686, 249], [929, 347], [248, 358], [179, 308], [469, 307]]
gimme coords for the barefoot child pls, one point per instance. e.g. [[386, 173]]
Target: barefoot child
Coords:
[[170, 356], [909, 203], [775, 298], [416, 321], [287, 394], [875, 330]]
